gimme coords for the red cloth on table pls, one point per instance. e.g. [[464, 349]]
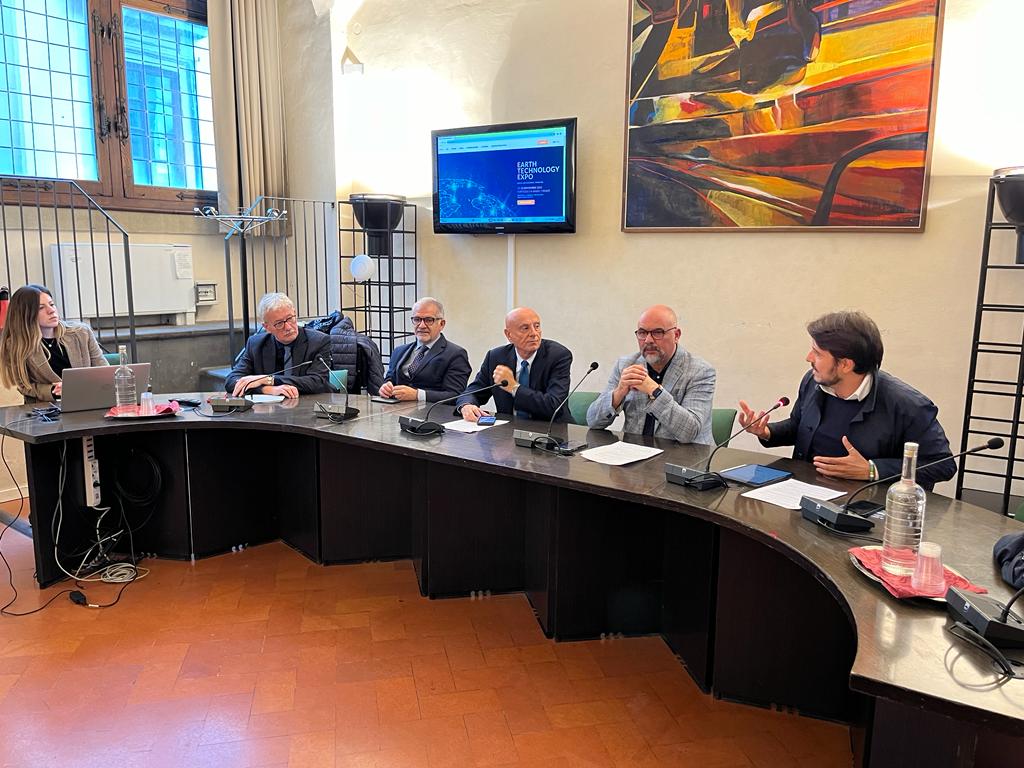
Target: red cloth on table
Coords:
[[159, 409], [899, 586]]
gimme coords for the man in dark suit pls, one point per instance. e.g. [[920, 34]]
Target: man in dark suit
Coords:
[[536, 371], [303, 356], [851, 419], [430, 368]]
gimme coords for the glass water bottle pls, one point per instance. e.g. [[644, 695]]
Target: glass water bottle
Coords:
[[124, 382], [904, 518]]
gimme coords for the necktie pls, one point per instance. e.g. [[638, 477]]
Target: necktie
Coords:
[[524, 381], [287, 359], [417, 361]]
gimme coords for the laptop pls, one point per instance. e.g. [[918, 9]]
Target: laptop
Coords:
[[86, 389]]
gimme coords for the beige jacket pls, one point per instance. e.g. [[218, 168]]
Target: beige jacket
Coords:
[[83, 352]]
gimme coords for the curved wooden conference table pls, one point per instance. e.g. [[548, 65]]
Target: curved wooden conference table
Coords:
[[760, 605]]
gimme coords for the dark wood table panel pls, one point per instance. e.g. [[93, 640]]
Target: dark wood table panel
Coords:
[[780, 637], [366, 503]]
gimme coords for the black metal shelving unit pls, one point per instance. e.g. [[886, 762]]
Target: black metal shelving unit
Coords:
[[380, 306], [1003, 396]]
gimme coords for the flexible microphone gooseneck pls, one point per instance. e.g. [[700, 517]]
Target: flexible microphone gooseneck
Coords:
[[546, 440], [782, 402], [425, 427], [834, 517], [993, 443], [705, 479], [328, 410]]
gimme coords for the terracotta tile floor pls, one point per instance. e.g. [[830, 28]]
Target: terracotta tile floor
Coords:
[[263, 659]]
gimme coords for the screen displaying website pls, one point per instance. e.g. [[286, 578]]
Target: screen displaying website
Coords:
[[513, 176]]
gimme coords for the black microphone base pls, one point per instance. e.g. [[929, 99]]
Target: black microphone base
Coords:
[[335, 411], [982, 614], [526, 439], [696, 479], [228, 404], [833, 515], [418, 427]]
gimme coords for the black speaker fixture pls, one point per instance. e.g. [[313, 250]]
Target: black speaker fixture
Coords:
[[379, 216], [1010, 194]]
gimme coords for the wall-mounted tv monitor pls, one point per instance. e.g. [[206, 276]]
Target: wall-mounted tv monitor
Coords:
[[506, 179]]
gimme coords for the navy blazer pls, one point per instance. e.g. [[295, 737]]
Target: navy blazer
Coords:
[[442, 375], [893, 413], [260, 356], [549, 382]]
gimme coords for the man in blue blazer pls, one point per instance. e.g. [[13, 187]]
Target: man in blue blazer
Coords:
[[536, 371], [851, 418], [430, 368], [302, 356]]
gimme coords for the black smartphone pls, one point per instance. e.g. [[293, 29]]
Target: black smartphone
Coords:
[[865, 508], [486, 421], [189, 402]]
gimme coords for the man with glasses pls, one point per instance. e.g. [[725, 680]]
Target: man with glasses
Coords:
[[430, 368], [286, 360], [536, 372], [663, 389]]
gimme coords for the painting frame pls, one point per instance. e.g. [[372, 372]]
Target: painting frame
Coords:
[[635, 218]]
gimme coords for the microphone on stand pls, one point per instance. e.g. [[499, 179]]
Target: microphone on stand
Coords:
[[705, 479], [528, 439], [333, 411], [425, 427], [837, 517]]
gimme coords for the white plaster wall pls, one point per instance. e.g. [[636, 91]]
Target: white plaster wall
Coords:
[[744, 297]]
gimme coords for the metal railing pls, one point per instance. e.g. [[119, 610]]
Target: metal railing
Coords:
[[296, 255], [56, 235]]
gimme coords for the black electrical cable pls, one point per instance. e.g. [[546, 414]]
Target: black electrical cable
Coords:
[[212, 415], [969, 635], [21, 509], [848, 534]]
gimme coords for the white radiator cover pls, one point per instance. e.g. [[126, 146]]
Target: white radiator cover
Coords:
[[162, 279]]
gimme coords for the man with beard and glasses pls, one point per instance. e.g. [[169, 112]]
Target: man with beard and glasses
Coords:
[[663, 389], [851, 419]]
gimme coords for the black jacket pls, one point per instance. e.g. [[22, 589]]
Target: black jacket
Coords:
[[442, 374], [260, 356], [892, 414], [358, 355], [549, 382]]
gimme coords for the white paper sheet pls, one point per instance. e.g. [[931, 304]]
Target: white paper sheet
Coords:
[[617, 454], [469, 427], [787, 493]]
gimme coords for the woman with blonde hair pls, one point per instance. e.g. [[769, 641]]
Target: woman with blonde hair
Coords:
[[36, 347]]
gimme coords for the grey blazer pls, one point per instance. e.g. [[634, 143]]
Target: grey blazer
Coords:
[[683, 412], [83, 352]]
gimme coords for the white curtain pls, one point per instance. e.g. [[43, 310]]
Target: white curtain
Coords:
[[248, 103]]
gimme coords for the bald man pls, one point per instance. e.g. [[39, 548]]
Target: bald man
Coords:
[[663, 389], [536, 371]]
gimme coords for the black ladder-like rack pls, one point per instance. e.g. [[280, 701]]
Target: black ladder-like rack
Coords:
[[1008, 424]]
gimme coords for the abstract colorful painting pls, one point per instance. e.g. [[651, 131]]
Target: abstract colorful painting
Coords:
[[768, 114]]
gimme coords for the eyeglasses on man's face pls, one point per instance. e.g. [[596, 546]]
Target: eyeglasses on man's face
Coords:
[[655, 333], [290, 320], [427, 321]]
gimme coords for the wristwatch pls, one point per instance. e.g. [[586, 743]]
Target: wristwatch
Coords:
[[655, 393]]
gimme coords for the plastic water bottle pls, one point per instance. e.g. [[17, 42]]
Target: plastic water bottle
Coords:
[[124, 383], [904, 518]]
